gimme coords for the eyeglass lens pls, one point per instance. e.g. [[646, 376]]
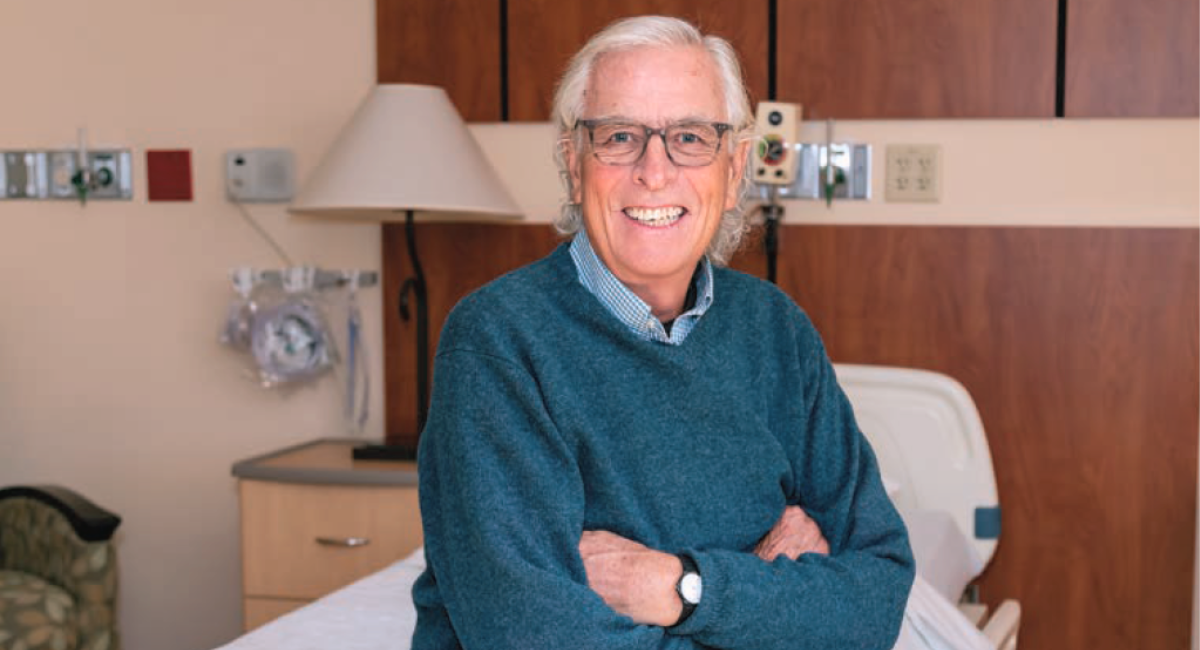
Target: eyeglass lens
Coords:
[[687, 144]]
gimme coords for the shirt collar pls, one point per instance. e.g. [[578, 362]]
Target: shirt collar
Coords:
[[631, 310]]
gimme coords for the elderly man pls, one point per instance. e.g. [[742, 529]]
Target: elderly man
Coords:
[[630, 446]]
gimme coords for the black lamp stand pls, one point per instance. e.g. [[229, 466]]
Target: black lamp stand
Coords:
[[415, 285]]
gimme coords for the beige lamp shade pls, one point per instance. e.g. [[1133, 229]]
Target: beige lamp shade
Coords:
[[406, 148]]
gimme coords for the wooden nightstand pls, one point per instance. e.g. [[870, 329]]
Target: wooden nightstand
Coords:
[[313, 520]]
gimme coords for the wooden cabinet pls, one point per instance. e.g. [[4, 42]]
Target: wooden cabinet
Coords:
[[868, 59], [1132, 59], [544, 34], [313, 520], [879, 59], [455, 44]]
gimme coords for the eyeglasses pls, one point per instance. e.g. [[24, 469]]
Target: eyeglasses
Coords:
[[688, 144]]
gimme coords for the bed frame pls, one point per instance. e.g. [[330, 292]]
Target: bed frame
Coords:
[[928, 437]]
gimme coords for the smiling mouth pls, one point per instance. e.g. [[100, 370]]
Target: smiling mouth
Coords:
[[655, 217]]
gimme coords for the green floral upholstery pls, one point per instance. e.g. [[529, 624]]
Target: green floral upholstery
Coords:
[[57, 589], [35, 614]]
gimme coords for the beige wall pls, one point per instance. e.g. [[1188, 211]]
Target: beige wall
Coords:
[[111, 377]]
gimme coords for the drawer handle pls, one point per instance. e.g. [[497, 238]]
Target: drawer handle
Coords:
[[348, 542]]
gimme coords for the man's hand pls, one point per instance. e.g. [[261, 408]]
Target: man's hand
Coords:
[[793, 535], [633, 579]]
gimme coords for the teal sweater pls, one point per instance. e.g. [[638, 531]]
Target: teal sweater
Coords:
[[550, 418]]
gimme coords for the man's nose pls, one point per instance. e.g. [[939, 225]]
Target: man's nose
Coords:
[[655, 170]]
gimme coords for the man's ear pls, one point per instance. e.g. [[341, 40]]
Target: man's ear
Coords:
[[571, 155], [736, 169]]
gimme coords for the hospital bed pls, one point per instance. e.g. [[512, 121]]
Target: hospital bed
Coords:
[[937, 468]]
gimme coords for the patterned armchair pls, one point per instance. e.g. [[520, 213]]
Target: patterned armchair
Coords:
[[58, 571]]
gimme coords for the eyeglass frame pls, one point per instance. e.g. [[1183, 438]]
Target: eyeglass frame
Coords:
[[721, 127]]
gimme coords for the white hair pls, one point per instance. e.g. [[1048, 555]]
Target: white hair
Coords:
[[654, 31]]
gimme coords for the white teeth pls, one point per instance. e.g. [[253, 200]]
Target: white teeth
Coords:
[[655, 216]]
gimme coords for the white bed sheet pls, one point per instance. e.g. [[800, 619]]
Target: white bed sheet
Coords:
[[945, 558], [933, 623], [373, 613], [377, 612]]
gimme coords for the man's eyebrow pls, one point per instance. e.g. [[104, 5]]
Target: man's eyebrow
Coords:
[[623, 119], [613, 119]]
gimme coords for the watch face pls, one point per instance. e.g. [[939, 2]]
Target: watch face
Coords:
[[691, 587]]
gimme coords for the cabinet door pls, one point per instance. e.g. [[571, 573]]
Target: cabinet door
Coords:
[[918, 58], [1132, 59], [543, 34], [296, 537], [454, 44]]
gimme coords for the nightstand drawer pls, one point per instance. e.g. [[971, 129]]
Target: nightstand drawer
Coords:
[[304, 540]]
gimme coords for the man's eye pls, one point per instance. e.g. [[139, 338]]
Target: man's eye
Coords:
[[620, 137], [692, 137]]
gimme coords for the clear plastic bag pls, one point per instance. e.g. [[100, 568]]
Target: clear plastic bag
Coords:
[[239, 318], [281, 324]]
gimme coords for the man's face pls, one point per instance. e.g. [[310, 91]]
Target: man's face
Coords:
[[650, 222]]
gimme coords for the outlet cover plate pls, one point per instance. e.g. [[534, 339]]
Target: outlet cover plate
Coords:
[[914, 173], [23, 175]]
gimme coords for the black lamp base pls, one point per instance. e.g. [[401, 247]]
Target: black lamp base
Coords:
[[385, 452]]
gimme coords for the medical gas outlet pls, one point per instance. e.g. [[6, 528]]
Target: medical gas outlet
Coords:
[[774, 156], [106, 174]]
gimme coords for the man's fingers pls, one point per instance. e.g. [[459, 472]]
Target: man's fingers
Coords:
[[793, 535]]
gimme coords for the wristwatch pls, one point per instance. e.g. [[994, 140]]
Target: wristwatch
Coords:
[[690, 587]]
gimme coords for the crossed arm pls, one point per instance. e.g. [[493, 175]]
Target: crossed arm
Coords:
[[639, 582]]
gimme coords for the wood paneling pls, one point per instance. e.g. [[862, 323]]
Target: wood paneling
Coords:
[[454, 44], [1080, 349], [544, 34], [1132, 59], [918, 58], [457, 258]]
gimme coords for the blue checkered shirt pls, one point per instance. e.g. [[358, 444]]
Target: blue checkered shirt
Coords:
[[627, 307]]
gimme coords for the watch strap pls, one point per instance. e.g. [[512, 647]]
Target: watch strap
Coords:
[[689, 567]]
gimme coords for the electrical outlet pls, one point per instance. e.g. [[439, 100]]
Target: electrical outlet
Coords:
[[23, 175], [914, 173]]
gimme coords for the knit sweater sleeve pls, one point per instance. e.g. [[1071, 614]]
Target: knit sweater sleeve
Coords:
[[852, 598], [502, 507]]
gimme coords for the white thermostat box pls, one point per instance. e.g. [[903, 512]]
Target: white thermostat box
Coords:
[[260, 175]]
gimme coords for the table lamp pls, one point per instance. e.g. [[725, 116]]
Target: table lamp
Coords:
[[406, 155]]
